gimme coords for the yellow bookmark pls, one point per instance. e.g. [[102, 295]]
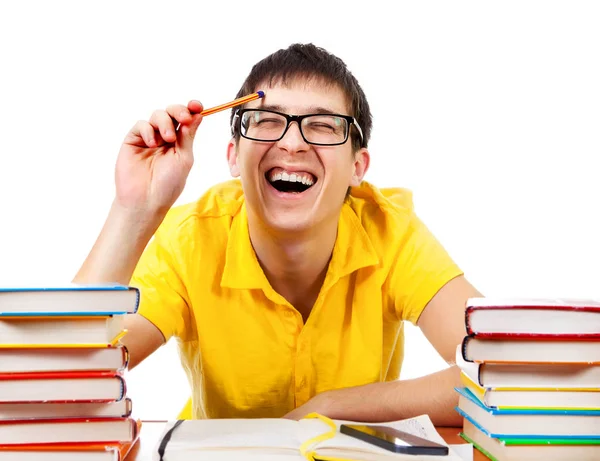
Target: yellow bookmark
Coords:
[[310, 455]]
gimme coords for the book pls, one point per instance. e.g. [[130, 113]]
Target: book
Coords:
[[57, 453], [532, 318], [531, 375], [50, 410], [31, 432], [506, 449], [61, 331], [69, 300], [71, 452], [550, 398], [48, 359], [476, 349], [529, 423], [86, 386], [266, 438]]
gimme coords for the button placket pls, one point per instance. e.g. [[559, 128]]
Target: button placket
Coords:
[[302, 369]]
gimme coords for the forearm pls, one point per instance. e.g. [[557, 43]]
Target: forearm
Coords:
[[432, 394], [119, 246]]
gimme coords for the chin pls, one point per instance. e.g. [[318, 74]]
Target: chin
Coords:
[[289, 221]]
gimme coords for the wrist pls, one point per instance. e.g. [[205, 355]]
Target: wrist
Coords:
[[135, 221], [121, 242], [326, 403]]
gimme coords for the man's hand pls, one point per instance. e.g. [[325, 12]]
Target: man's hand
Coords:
[[320, 403], [391, 401], [156, 158], [152, 167]]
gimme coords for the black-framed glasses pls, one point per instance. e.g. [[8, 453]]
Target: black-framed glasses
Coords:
[[318, 129]]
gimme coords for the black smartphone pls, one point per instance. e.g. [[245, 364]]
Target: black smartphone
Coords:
[[394, 440]]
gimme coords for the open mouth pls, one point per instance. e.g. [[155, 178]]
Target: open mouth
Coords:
[[293, 183]]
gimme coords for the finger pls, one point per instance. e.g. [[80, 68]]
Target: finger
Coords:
[[187, 131], [180, 114], [141, 135], [195, 106], [162, 122]]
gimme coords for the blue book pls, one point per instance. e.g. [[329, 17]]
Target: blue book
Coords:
[[68, 300], [528, 423]]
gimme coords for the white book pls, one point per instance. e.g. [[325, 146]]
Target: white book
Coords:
[[50, 410], [522, 316], [101, 386], [523, 398], [70, 299], [47, 359], [527, 422], [57, 455], [531, 375], [33, 331], [281, 439], [512, 452], [67, 431], [485, 350]]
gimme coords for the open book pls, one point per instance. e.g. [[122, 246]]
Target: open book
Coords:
[[282, 439]]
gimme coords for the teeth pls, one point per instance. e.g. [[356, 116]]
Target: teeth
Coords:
[[292, 177]]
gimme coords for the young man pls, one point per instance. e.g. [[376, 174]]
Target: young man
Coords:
[[286, 289]]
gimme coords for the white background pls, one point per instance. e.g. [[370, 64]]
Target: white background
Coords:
[[489, 112]]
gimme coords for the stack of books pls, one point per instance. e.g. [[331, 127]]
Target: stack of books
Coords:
[[62, 389], [531, 378]]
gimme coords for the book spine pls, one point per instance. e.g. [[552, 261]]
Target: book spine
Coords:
[[128, 407], [123, 387], [480, 374], [137, 299], [126, 358], [468, 311], [463, 348]]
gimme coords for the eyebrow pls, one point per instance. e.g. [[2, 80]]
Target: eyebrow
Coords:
[[309, 110]]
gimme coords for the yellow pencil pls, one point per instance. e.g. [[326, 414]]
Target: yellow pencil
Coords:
[[236, 102]]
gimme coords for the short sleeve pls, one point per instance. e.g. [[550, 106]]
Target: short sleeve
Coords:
[[163, 297], [421, 268]]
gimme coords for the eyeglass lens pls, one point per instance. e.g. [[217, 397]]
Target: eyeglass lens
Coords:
[[269, 126]]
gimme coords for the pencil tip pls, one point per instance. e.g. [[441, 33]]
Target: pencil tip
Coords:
[[261, 94]]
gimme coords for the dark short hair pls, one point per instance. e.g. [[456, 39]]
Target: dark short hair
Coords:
[[309, 61]]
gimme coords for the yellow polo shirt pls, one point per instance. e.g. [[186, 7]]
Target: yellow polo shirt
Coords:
[[245, 349]]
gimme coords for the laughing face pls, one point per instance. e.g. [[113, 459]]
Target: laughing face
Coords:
[[289, 184]]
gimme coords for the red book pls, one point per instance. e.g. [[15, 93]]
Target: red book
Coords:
[[529, 350], [68, 431], [85, 386], [71, 451], [63, 359], [559, 319], [52, 410]]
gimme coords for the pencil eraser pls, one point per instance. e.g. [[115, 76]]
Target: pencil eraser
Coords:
[[261, 94]]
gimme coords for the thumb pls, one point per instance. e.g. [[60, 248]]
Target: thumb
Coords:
[[187, 132]]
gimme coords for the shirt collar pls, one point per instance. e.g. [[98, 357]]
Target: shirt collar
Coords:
[[353, 250]]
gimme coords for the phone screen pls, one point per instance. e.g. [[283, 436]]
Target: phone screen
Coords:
[[394, 440]]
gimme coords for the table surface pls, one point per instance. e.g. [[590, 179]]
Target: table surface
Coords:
[[152, 430]]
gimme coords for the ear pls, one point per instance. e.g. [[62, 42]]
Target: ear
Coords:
[[362, 160], [232, 156]]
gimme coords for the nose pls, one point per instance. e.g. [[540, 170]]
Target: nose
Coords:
[[292, 140]]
